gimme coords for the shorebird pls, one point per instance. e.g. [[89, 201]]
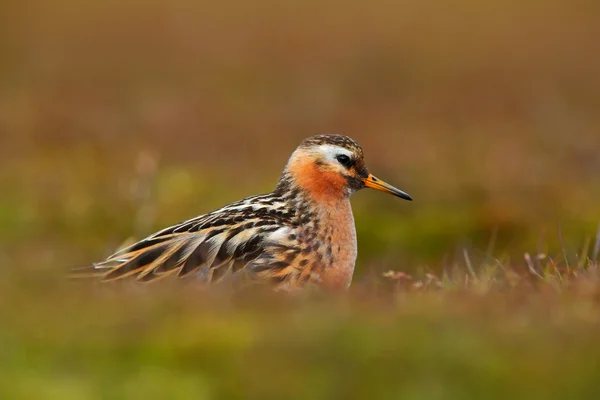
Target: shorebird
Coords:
[[301, 233]]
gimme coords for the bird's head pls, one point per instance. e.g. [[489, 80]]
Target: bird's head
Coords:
[[331, 167]]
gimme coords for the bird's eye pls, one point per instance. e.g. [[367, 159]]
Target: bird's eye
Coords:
[[344, 160]]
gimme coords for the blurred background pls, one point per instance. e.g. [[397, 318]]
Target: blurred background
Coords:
[[485, 112], [118, 118]]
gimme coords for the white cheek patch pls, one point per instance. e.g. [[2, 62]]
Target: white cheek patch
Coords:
[[330, 152]]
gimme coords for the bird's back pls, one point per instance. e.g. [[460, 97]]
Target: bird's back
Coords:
[[216, 244]]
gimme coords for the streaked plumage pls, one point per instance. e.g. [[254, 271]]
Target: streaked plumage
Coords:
[[302, 232]]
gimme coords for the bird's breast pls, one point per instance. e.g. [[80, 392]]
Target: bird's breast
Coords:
[[329, 245]]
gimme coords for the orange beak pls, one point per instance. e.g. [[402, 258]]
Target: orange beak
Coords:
[[377, 184]]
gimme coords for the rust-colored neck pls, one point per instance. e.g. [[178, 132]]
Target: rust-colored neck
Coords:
[[327, 188]]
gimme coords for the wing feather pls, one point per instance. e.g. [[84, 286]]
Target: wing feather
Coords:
[[216, 244]]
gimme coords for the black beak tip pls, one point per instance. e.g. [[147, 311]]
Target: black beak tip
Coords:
[[402, 195], [406, 197]]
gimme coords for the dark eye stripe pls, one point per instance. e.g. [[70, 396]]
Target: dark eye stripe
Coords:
[[344, 160]]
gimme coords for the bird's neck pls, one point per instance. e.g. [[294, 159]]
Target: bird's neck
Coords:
[[303, 175]]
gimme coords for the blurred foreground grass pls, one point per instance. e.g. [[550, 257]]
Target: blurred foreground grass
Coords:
[[492, 339], [118, 118]]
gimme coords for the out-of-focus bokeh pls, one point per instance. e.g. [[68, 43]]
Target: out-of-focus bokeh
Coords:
[[118, 118], [487, 113]]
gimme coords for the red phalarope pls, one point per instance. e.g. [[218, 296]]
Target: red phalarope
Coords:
[[303, 232]]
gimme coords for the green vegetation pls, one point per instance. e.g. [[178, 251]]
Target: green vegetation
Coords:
[[119, 118]]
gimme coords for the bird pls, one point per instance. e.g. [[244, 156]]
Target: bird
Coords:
[[300, 234]]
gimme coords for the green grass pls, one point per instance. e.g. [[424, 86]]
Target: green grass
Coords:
[[528, 339]]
